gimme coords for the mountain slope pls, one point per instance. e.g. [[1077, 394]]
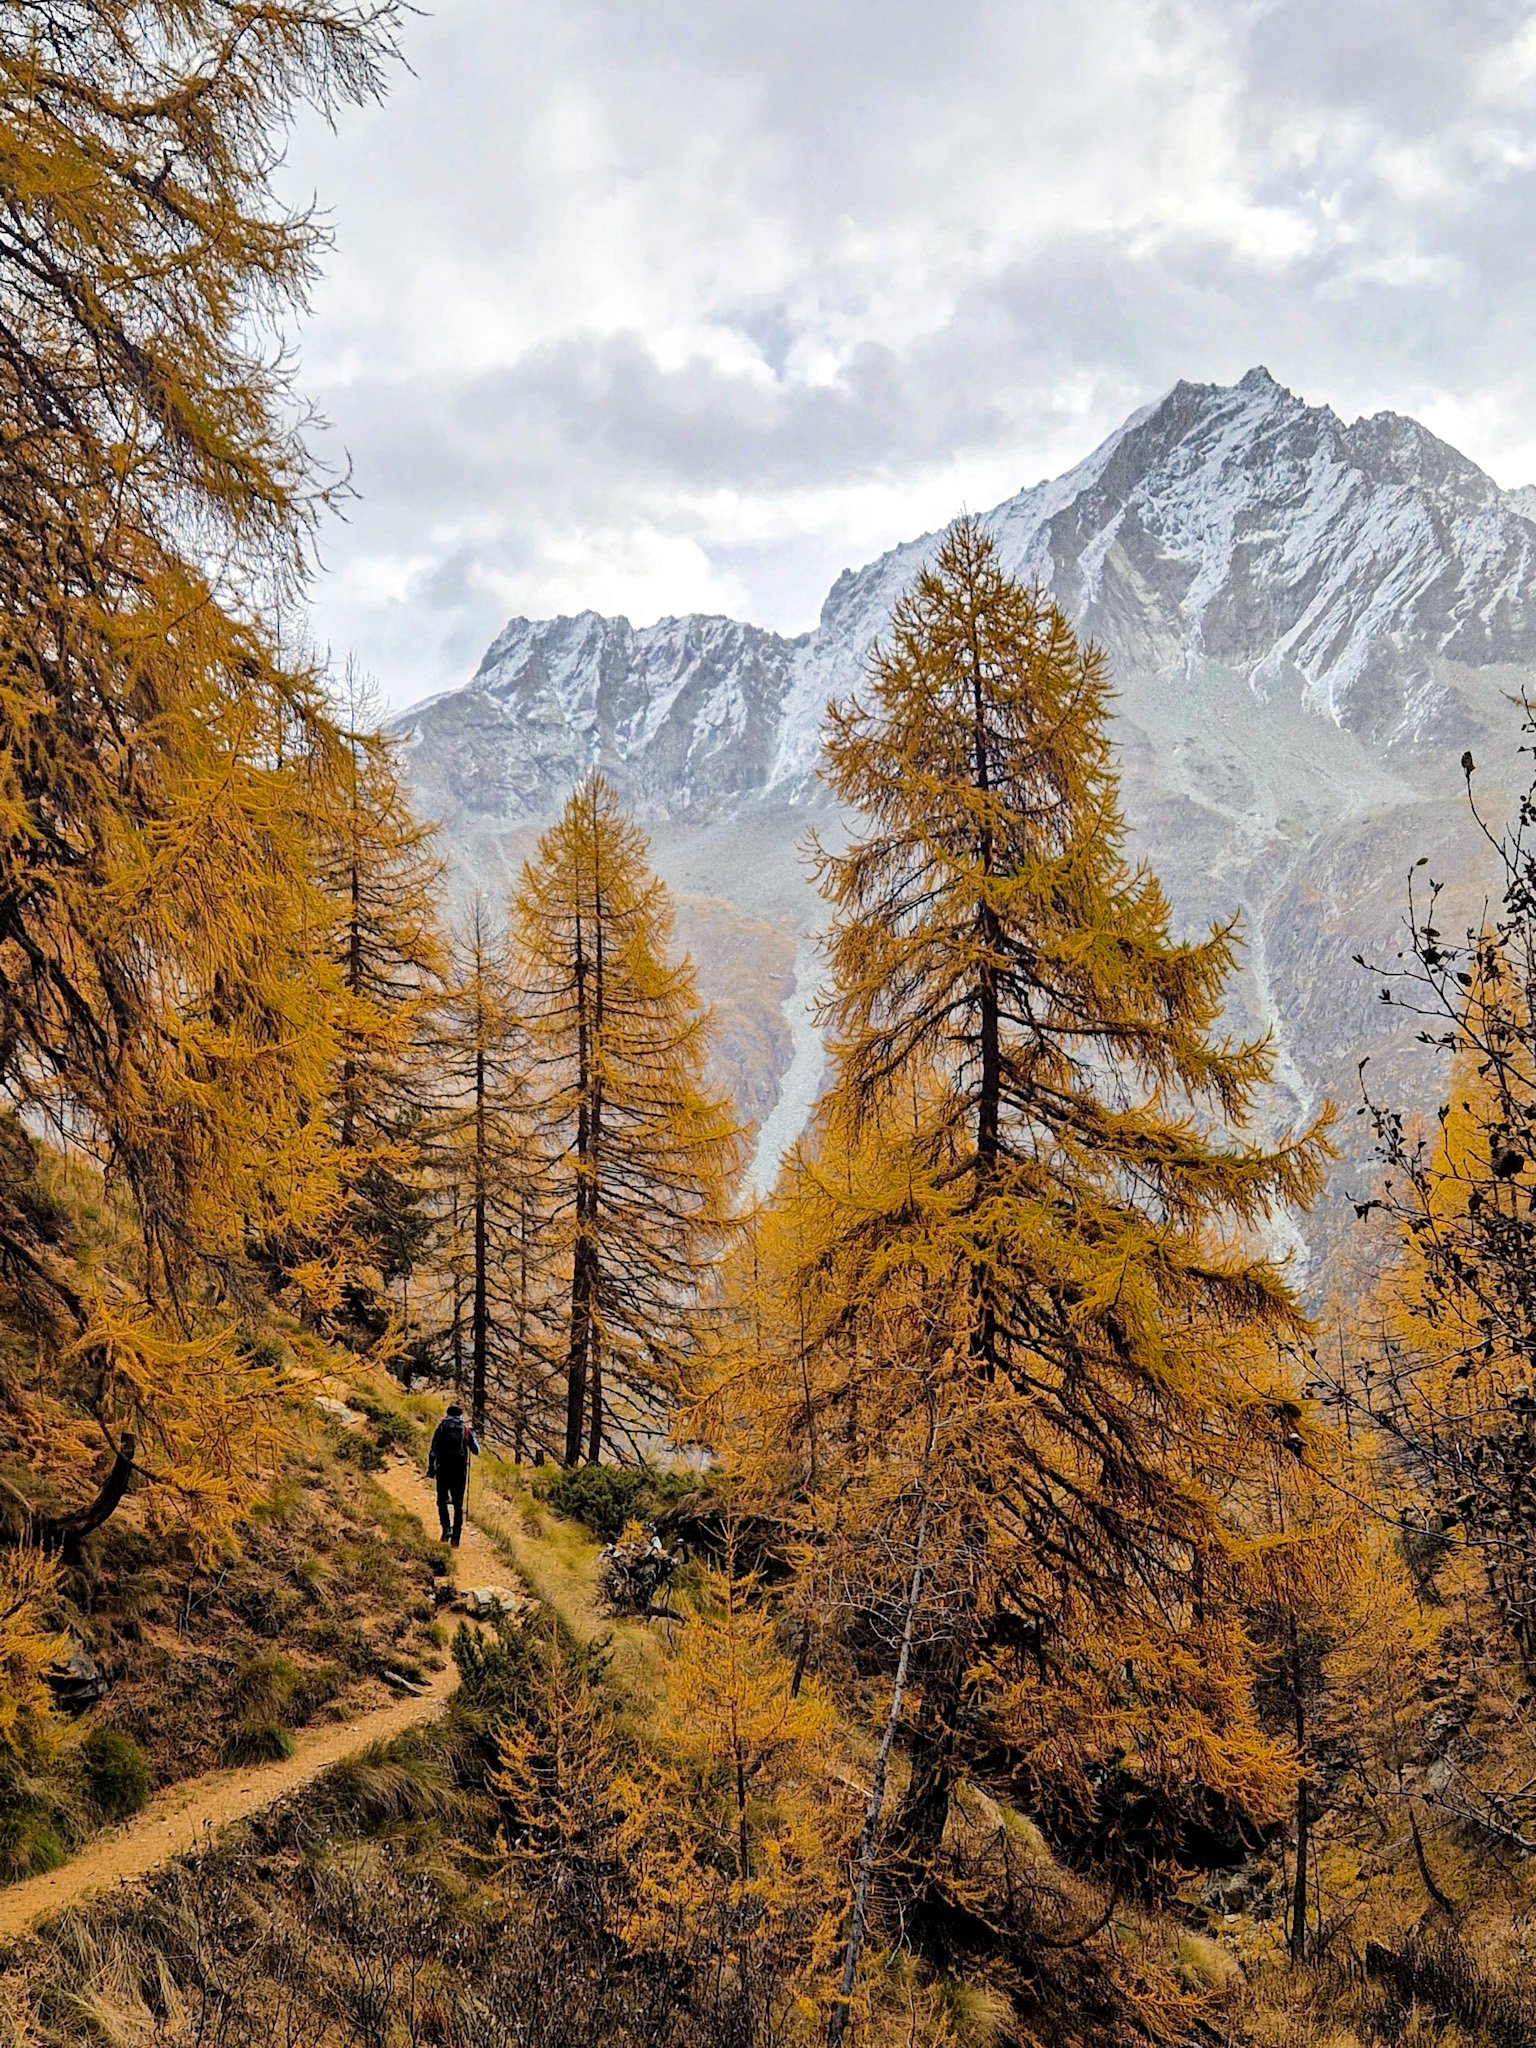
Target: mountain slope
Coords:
[[1308, 622]]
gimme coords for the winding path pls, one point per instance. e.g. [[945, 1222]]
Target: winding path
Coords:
[[187, 1816]]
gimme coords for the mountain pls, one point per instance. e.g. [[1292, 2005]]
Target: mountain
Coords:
[[1308, 623]]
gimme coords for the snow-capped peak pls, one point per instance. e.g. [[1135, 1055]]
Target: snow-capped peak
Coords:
[[1307, 622]]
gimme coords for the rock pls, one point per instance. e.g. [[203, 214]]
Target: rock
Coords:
[[486, 1602], [338, 1411], [400, 1683], [76, 1680], [634, 1575], [1231, 1891]]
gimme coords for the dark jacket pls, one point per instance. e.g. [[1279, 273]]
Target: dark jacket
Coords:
[[453, 1442]]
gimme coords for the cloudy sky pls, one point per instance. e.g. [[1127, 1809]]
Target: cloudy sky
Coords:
[[668, 305]]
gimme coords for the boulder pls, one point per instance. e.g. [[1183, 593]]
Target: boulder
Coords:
[[338, 1411], [634, 1573], [487, 1602], [76, 1680]]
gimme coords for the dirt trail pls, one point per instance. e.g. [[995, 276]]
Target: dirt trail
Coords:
[[185, 1816]]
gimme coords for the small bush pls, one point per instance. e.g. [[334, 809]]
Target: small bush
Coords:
[[362, 1451], [117, 1779], [315, 1691], [30, 1840], [313, 1575], [263, 1349], [264, 1689], [605, 1497], [383, 1787], [497, 1675], [977, 2015], [1201, 1964], [393, 1432], [257, 1742]]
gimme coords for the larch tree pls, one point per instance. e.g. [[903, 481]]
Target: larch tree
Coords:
[[1436, 1374], [380, 868], [165, 997], [499, 1268], [1450, 1359], [641, 1156], [736, 1719], [1027, 1306]]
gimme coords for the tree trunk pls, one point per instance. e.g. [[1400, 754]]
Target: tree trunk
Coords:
[[480, 1332], [1298, 1942], [456, 1296], [520, 1423], [595, 1437], [580, 1336], [743, 1839], [53, 1533], [989, 1097], [924, 1811], [354, 986], [864, 1861], [599, 1028], [1299, 1886]]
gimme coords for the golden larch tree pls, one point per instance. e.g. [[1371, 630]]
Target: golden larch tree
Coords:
[[381, 870], [1026, 1304], [502, 1280], [166, 998], [641, 1155]]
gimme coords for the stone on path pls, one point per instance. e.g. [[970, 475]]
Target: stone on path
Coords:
[[489, 1601]]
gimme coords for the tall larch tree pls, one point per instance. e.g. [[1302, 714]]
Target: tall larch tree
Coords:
[[380, 868], [641, 1155], [165, 997], [1031, 1314], [499, 1268]]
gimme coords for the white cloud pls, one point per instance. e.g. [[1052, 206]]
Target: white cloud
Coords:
[[693, 304]]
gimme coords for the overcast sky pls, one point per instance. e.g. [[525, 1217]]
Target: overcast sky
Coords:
[[667, 305]]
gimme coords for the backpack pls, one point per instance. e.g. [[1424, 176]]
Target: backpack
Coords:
[[455, 1440]]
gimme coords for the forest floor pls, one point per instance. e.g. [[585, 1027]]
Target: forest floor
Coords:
[[188, 1815]]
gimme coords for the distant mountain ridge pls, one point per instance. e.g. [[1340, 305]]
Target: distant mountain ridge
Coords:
[[1307, 621]]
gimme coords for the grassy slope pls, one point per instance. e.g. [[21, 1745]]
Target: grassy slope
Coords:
[[391, 1816], [209, 1655], [323, 1587], [413, 1816]]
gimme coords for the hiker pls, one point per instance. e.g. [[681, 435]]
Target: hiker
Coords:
[[453, 1444]]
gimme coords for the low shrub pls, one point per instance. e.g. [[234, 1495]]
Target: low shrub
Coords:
[[315, 1690], [257, 1742], [383, 1787], [352, 1448], [1201, 1964], [393, 1432], [31, 1840], [605, 1497], [264, 1689], [117, 1777]]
